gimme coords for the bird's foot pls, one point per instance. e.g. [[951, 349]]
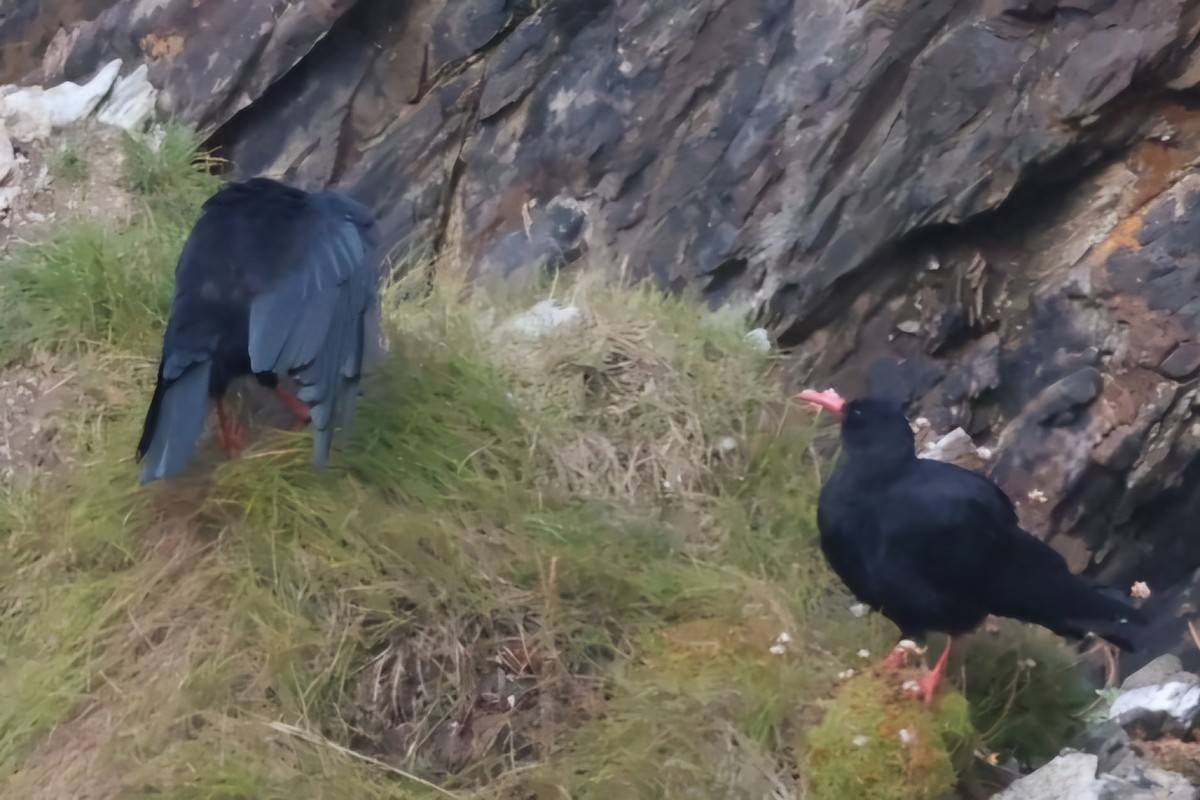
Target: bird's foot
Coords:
[[231, 434], [927, 686], [898, 658], [231, 437], [298, 407]]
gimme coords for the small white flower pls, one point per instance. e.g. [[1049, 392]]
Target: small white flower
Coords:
[[864, 653], [778, 649], [1027, 663], [911, 687], [784, 637], [845, 675], [860, 609], [859, 741], [907, 737], [1036, 496]]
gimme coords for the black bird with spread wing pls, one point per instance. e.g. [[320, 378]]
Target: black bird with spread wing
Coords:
[[273, 282], [935, 547]]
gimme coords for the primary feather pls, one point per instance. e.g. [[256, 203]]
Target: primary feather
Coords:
[[275, 282]]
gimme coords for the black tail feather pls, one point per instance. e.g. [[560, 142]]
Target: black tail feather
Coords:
[[152, 414], [1041, 589], [174, 423]]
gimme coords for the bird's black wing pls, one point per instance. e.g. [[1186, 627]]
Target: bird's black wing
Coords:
[[971, 549], [942, 530], [952, 524], [846, 541], [315, 320], [179, 407]]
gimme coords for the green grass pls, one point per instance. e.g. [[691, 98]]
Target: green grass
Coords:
[[95, 286], [542, 568], [69, 161]]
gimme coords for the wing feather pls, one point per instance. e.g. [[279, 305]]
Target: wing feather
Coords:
[[311, 324], [180, 410]]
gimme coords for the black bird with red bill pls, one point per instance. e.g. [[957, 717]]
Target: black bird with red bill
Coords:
[[935, 547]]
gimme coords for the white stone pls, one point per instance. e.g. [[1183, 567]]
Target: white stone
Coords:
[[545, 317], [33, 112], [8, 196], [8, 159], [1074, 776], [760, 340], [131, 102], [1071, 775], [954, 445], [1180, 699]]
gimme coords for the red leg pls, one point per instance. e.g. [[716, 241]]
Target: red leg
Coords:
[[231, 436], [296, 406], [898, 658], [933, 678]]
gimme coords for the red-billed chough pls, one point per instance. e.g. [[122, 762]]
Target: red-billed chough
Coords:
[[275, 282], [935, 547]]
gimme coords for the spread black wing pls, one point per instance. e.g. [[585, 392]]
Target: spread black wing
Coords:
[[272, 280], [315, 323]]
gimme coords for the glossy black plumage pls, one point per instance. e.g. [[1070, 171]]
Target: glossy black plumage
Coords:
[[272, 281], [935, 547]]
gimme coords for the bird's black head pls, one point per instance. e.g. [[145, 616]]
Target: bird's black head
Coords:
[[872, 427]]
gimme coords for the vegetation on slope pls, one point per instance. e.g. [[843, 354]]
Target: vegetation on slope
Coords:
[[575, 565]]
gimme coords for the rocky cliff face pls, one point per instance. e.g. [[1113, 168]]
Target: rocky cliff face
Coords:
[[988, 206]]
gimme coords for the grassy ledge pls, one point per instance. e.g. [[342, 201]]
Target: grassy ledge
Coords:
[[542, 566]]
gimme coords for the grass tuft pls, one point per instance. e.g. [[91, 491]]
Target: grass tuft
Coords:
[[170, 168], [1027, 698], [70, 162], [94, 285]]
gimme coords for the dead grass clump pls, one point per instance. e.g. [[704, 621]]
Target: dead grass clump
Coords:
[[637, 396], [474, 705]]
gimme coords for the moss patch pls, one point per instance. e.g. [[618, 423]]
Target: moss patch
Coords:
[[875, 741]]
